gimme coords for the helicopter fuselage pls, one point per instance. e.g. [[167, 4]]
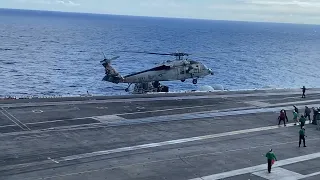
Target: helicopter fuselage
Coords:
[[178, 70], [167, 73]]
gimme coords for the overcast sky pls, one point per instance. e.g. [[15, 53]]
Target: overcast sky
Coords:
[[293, 11]]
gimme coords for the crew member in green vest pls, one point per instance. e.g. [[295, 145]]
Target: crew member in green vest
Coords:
[[295, 117], [302, 121], [302, 135], [271, 157]]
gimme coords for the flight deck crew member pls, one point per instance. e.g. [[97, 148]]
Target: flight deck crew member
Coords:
[[271, 158], [302, 121], [302, 137], [315, 112], [296, 109], [295, 117], [318, 120], [307, 113], [285, 112], [282, 117], [303, 92]]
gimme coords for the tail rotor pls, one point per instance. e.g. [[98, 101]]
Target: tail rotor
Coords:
[[106, 60]]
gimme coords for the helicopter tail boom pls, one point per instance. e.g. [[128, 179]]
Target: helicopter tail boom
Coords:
[[111, 74]]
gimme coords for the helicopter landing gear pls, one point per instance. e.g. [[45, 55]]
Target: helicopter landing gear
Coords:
[[194, 81], [127, 89], [183, 80]]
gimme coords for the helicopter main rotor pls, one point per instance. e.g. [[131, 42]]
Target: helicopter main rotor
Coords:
[[176, 54]]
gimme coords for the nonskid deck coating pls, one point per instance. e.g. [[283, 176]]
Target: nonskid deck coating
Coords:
[[87, 131]]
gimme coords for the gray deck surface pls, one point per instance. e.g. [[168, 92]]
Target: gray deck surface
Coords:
[[220, 135]]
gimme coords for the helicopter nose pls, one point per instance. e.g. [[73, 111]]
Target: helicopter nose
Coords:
[[211, 72]]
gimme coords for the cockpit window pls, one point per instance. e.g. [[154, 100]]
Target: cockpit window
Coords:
[[193, 62]]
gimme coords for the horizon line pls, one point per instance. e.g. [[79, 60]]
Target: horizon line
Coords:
[[164, 17]]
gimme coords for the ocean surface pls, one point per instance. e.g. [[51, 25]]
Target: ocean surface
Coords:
[[53, 53]]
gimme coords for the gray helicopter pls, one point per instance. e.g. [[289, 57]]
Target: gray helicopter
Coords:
[[179, 69]]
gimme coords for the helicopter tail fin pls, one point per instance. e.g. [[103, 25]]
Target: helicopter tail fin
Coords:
[[111, 74]]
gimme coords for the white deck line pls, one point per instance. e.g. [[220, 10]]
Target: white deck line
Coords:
[[310, 175], [15, 118], [279, 173], [164, 143], [11, 119], [210, 114], [261, 167]]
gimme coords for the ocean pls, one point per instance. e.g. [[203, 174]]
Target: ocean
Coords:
[[58, 54]]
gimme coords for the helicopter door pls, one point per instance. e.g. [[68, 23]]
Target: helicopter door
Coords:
[[182, 72]]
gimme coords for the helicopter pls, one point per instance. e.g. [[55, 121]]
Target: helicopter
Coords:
[[178, 69]]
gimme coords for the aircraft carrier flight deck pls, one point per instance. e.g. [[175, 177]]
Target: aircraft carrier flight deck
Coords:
[[174, 136]]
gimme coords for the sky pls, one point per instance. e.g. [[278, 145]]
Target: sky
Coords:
[[290, 11]]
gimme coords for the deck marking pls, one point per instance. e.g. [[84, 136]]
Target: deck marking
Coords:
[[296, 102], [258, 168], [13, 125], [162, 160], [37, 111], [279, 173], [102, 107], [150, 162], [164, 143], [212, 113], [108, 118], [187, 116], [201, 115], [258, 103], [16, 119], [49, 158], [313, 174], [205, 114], [184, 108], [11, 119]]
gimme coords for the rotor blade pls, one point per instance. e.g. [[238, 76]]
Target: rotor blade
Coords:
[[145, 52], [109, 60], [196, 56], [164, 54], [114, 58], [104, 55]]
